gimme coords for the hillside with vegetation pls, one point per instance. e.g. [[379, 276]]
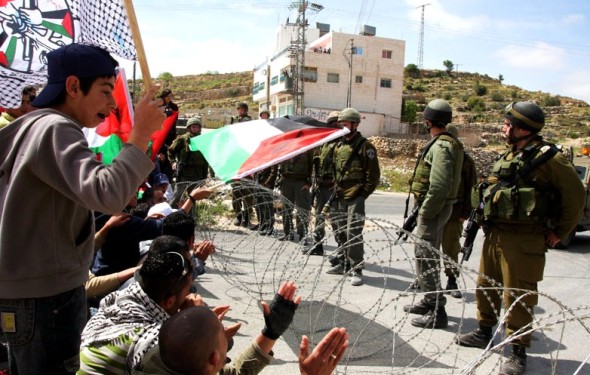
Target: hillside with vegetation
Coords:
[[477, 100]]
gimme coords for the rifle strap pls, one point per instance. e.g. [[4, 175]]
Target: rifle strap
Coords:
[[349, 160]]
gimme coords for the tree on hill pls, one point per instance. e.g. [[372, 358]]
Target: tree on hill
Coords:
[[449, 65], [411, 70]]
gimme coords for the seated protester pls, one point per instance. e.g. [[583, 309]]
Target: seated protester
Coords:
[[188, 348], [127, 322], [182, 225], [193, 341], [162, 183], [120, 249], [99, 286]]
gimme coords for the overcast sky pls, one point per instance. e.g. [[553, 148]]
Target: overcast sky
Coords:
[[537, 45]]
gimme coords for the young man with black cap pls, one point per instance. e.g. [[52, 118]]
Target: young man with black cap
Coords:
[[435, 185], [47, 168], [532, 201]]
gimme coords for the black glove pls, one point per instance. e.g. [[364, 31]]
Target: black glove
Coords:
[[280, 317]]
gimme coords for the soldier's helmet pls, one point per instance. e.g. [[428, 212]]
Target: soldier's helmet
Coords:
[[194, 121], [349, 114], [438, 111], [525, 114], [333, 117], [243, 105], [263, 111]]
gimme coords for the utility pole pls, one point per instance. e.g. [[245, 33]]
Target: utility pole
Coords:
[[421, 42], [299, 48], [457, 67], [349, 94]]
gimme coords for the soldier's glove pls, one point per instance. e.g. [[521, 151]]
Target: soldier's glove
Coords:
[[280, 317]]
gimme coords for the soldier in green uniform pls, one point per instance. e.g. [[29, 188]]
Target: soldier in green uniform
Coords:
[[451, 238], [323, 166], [357, 173], [266, 178], [532, 201], [242, 193], [435, 185], [189, 166], [295, 183]]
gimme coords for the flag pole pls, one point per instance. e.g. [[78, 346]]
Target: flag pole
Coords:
[[143, 65]]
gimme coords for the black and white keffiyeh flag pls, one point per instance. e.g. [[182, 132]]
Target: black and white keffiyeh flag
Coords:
[[30, 29]]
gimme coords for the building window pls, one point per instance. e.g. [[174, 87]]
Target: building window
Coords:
[[310, 74], [358, 79], [274, 80], [386, 83], [386, 54], [333, 77]]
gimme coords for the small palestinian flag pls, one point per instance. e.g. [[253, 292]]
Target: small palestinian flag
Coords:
[[241, 149], [107, 139]]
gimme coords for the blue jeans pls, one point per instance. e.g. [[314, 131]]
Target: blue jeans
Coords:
[[48, 329]]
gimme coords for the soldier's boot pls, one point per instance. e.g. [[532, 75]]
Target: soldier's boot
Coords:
[[452, 288], [432, 319], [245, 220], [286, 237], [238, 220], [419, 308], [516, 363], [478, 338], [317, 249], [339, 269], [356, 277]]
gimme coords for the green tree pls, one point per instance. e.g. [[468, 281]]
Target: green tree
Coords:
[[410, 109], [476, 104], [449, 65], [501, 78], [411, 70], [165, 76]]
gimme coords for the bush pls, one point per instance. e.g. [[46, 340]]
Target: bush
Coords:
[[476, 104], [447, 96], [551, 101], [514, 94], [479, 89], [497, 96]]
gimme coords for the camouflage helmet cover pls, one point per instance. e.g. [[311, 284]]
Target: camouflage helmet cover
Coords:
[[349, 114]]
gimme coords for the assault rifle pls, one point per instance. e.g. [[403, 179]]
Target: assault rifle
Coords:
[[409, 225], [472, 227], [470, 232]]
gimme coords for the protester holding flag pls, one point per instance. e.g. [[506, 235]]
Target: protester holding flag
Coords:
[[47, 168]]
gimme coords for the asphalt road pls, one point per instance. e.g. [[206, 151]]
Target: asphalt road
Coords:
[[248, 268]]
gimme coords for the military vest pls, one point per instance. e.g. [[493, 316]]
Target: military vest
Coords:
[[420, 182], [342, 153], [298, 167], [516, 197], [326, 159]]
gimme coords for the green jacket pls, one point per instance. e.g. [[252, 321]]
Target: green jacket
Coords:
[[550, 195], [437, 176], [462, 207], [298, 167], [363, 174], [190, 164], [251, 361]]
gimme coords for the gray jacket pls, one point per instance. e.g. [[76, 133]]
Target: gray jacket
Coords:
[[50, 182]]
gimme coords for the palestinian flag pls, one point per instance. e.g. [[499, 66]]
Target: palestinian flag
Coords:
[[239, 150], [107, 139]]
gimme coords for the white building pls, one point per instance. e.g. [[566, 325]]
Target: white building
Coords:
[[377, 77]]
